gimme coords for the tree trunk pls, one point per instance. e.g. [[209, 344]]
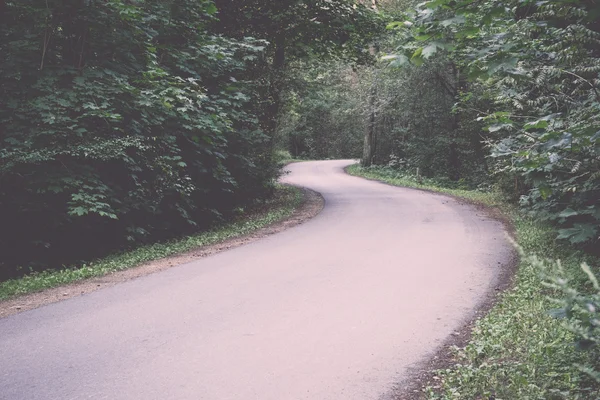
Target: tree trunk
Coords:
[[370, 144], [454, 160], [275, 87]]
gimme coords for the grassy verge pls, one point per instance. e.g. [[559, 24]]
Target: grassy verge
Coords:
[[287, 200], [285, 162], [399, 179], [284, 157], [518, 350]]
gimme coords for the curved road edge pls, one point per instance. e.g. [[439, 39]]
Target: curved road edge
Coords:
[[421, 375], [312, 204]]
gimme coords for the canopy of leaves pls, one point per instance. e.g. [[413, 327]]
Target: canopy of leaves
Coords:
[[121, 121], [302, 29]]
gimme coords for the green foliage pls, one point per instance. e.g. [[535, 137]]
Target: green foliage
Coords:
[[323, 113], [581, 310], [281, 157], [129, 122], [122, 123], [410, 112], [304, 29], [417, 127], [299, 31], [533, 80], [395, 177]]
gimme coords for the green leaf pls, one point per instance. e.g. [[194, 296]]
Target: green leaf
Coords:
[[539, 124], [545, 191], [429, 50], [417, 57], [398, 24], [502, 64], [79, 211], [580, 233], [212, 9], [498, 127], [453, 21], [396, 60], [569, 212]]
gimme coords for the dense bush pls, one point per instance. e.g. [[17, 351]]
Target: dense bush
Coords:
[[579, 305], [530, 73], [121, 121]]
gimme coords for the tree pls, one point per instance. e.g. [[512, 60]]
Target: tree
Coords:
[[537, 67], [299, 30], [323, 113], [122, 123]]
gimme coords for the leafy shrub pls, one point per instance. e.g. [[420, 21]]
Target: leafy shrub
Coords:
[[129, 123], [580, 307], [530, 93], [280, 157]]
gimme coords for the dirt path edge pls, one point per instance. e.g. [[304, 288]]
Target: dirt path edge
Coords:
[[311, 206]]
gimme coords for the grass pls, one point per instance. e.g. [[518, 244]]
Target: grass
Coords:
[[285, 162], [396, 178], [287, 200], [518, 351], [284, 157]]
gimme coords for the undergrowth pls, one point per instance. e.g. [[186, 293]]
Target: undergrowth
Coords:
[[284, 157], [283, 204], [521, 350]]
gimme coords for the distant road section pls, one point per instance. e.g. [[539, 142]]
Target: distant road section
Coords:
[[339, 308]]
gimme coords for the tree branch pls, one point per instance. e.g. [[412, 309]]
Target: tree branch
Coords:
[[585, 80]]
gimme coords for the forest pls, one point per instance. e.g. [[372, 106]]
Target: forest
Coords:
[[128, 122]]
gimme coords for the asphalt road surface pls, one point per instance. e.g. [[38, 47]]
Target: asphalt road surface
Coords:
[[341, 307]]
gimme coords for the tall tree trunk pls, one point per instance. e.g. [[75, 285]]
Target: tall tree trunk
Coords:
[[454, 162], [275, 88], [370, 144]]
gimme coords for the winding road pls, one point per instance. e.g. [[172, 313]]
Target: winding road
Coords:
[[339, 308]]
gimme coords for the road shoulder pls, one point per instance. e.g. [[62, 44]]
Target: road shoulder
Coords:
[[423, 374], [312, 204]]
